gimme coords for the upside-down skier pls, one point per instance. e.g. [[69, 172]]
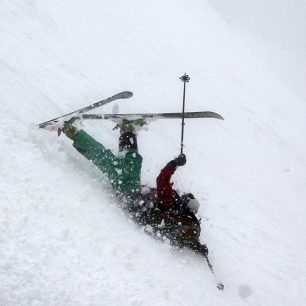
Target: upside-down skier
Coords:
[[162, 210]]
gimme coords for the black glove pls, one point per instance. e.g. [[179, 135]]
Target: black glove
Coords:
[[180, 160], [200, 248], [203, 250]]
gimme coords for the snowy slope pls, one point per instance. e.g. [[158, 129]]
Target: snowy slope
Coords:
[[63, 238]]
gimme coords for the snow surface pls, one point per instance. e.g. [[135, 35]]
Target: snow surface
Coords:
[[63, 238]]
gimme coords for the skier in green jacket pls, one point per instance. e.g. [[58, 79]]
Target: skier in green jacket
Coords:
[[168, 214]]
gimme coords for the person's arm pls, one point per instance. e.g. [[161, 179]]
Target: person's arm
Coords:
[[164, 187]]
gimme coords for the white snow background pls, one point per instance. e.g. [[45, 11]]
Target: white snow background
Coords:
[[63, 238]]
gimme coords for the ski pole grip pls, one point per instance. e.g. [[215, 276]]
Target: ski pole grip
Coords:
[[185, 78]]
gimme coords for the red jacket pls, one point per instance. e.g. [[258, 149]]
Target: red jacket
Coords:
[[164, 190]]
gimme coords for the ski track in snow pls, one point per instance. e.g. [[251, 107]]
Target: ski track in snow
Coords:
[[63, 237]]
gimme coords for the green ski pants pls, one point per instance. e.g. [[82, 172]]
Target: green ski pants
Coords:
[[123, 171]]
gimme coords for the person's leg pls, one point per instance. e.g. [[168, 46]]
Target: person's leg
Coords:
[[130, 162], [123, 172], [103, 158], [127, 140]]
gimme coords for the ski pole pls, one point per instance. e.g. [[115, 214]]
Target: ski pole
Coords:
[[185, 78]]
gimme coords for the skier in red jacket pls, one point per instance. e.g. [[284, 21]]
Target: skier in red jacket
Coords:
[[175, 212]]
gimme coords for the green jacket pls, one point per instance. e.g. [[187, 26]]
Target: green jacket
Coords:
[[123, 172]]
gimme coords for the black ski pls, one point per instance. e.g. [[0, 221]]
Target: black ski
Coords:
[[121, 95], [187, 115]]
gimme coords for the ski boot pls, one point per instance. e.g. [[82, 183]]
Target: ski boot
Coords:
[[69, 129], [130, 126]]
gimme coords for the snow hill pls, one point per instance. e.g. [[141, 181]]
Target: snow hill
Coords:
[[63, 238]]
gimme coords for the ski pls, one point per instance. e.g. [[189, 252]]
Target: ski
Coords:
[[187, 115], [121, 95]]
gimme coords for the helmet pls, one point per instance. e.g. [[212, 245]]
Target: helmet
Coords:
[[192, 203]]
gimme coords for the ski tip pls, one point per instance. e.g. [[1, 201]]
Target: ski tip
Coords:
[[53, 125], [126, 94], [44, 125], [217, 116]]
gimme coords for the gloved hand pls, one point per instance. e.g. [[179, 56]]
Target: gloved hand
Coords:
[[201, 248], [180, 160], [69, 129]]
